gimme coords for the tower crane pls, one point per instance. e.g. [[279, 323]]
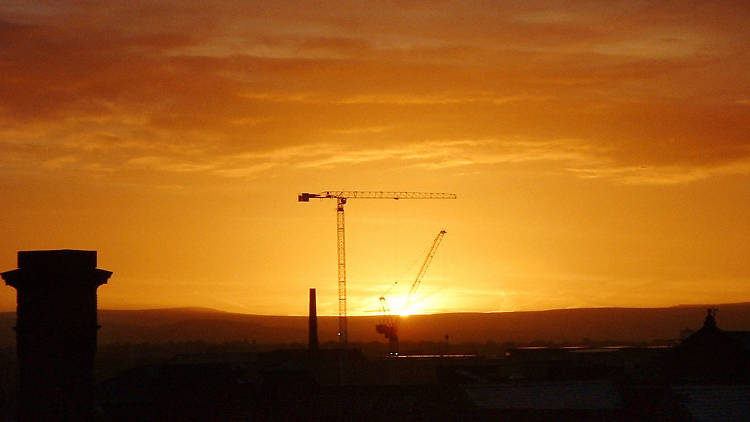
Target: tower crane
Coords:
[[341, 198], [389, 326]]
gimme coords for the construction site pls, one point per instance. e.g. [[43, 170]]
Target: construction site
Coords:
[[393, 378], [388, 325]]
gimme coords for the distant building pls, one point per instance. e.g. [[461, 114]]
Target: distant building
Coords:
[[712, 355]]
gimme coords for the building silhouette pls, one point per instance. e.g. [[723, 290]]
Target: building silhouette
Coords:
[[56, 332], [712, 355]]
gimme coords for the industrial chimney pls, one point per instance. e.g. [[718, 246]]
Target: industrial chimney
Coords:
[[56, 332], [313, 323]]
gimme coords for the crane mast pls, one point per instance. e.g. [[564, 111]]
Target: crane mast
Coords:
[[341, 198], [341, 252]]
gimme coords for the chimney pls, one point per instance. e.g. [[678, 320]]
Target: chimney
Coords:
[[313, 323], [56, 332]]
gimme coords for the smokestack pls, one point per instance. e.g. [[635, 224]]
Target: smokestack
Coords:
[[56, 332], [313, 323]]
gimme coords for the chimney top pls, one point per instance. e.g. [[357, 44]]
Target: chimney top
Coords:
[[61, 260]]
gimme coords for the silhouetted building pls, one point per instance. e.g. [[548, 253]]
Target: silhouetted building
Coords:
[[56, 332], [712, 355]]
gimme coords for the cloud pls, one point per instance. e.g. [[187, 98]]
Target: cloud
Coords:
[[201, 87]]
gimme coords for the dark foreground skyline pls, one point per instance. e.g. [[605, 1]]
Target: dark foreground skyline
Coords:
[[701, 375]]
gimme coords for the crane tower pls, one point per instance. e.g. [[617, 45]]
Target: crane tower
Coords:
[[341, 198]]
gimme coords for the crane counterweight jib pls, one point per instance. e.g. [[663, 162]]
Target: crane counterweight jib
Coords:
[[305, 197]]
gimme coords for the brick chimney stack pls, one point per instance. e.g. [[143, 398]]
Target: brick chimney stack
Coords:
[[313, 323], [56, 332]]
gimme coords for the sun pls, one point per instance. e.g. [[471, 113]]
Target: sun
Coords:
[[411, 309], [400, 307], [419, 304]]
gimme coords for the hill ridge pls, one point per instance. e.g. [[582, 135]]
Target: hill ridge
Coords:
[[557, 325]]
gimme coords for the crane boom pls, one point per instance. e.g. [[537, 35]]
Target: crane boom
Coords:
[[425, 264], [341, 198]]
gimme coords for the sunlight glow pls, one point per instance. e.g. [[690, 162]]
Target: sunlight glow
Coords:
[[399, 306]]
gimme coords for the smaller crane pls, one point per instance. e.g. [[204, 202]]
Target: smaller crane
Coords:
[[389, 325]]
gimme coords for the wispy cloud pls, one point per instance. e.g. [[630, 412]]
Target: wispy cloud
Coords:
[[167, 164], [407, 99], [58, 162], [359, 130], [665, 175]]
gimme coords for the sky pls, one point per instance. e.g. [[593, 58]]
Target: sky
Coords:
[[600, 151]]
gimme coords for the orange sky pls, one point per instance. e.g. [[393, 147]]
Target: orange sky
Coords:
[[600, 152]]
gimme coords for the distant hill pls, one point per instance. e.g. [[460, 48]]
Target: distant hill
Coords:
[[569, 325]]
